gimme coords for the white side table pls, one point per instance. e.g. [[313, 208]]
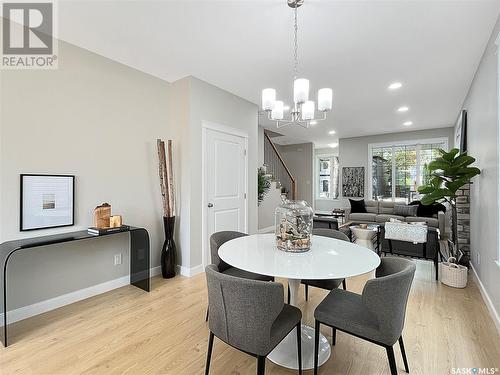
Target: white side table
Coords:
[[364, 237]]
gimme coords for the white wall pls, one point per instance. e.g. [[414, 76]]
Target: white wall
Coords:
[[268, 206], [483, 137], [260, 146], [324, 204], [96, 119]]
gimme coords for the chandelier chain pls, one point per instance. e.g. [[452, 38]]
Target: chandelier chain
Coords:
[[296, 44], [303, 111]]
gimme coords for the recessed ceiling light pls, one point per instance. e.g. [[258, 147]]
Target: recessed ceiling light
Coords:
[[408, 123], [395, 86], [332, 132], [313, 122], [333, 145], [403, 109]]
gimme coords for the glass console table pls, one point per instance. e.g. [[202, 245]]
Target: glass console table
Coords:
[[139, 259]]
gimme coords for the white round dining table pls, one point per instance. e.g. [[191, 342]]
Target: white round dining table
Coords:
[[328, 258]]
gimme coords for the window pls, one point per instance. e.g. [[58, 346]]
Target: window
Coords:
[[398, 169], [328, 177]]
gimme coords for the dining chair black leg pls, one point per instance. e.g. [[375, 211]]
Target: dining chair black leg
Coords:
[[261, 365], [403, 353], [316, 345], [392, 360], [344, 285], [209, 352], [307, 292], [299, 346], [288, 294], [334, 336], [206, 316]]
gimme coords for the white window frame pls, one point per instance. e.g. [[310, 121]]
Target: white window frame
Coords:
[[415, 142], [316, 177]]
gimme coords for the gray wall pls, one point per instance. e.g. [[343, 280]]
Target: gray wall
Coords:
[[99, 120], [212, 104], [299, 160], [482, 136], [353, 152], [96, 119]]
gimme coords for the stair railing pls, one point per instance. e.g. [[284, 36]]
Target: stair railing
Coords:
[[278, 169]]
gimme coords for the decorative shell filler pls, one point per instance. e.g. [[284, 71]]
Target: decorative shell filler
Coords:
[[294, 222]]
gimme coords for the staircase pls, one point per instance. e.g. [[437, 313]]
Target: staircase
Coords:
[[276, 167]]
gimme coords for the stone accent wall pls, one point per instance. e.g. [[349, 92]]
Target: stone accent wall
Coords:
[[463, 219]]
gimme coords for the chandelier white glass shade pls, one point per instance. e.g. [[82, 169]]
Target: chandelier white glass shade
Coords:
[[303, 110]]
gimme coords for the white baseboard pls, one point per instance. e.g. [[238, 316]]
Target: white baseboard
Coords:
[[155, 271], [486, 298], [266, 230], [189, 272], [69, 298]]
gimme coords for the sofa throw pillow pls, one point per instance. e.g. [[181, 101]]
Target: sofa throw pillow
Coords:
[[357, 206], [428, 211], [405, 210]]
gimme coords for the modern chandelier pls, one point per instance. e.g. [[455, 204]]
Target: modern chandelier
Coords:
[[302, 112]]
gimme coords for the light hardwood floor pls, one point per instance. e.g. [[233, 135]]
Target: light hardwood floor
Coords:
[[127, 331]]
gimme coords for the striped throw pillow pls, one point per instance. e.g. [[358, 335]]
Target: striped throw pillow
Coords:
[[405, 210]]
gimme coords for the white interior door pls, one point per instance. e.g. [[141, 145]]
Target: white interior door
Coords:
[[225, 183]]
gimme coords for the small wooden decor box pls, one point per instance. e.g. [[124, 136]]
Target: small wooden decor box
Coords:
[[102, 215]]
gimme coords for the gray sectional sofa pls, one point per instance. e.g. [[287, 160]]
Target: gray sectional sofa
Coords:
[[381, 212]]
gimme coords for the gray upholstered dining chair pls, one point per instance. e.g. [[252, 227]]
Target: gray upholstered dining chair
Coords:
[[217, 240], [328, 284], [249, 315], [377, 315]]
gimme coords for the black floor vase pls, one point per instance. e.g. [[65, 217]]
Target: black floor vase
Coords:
[[168, 250]]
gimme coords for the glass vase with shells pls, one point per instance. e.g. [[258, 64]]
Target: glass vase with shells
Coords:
[[293, 223]]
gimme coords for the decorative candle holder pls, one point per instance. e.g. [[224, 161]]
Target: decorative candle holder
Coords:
[[294, 222]]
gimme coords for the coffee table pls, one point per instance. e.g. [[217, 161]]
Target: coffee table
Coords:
[[337, 213]]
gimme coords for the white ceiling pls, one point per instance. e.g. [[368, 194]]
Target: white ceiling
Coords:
[[355, 47]]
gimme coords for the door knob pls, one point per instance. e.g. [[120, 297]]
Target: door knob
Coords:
[[210, 205]]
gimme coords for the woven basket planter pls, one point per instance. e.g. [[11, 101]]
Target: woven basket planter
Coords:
[[452, 274]]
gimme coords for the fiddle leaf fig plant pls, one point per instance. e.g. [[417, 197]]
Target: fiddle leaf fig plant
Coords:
[[448, 173]]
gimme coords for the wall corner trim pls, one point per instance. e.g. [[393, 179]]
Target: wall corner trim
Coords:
[[190, 272], [486, 298]]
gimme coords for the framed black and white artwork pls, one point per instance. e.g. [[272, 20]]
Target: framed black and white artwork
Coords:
[[353, 182], [47, 201]]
